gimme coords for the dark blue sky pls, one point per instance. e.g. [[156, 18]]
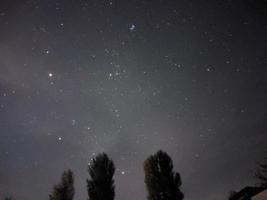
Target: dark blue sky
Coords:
[[128, 78]]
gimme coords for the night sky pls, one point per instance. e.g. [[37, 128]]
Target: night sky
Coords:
[[80, 77]]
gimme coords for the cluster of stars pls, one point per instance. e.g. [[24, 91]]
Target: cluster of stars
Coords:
[[126, 81]]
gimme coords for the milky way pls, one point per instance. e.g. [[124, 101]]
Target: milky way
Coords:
[[128, 78]]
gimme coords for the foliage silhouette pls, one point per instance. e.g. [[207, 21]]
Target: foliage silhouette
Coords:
[[161, 181], [9, 198], [65, 189], [101, 185]]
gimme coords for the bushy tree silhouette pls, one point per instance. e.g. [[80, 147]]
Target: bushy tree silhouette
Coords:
[[101, 185], [161, 181], [65, 189], [261, 174]]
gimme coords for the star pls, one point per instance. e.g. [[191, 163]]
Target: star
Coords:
[[50, 75], [132, 27], [73, 122]]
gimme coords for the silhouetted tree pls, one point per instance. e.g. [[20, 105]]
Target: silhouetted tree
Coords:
[[65, 189], [101, 185], [261, 174], [161, 181], [9, 198]]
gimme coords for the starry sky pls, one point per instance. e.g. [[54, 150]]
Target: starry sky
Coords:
[[80, 77]]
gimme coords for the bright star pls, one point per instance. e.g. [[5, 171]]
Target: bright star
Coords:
[[132, 27]]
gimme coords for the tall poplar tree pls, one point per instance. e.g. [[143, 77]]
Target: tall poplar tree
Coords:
[[161, 181], [65, 189], [101, 185]]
